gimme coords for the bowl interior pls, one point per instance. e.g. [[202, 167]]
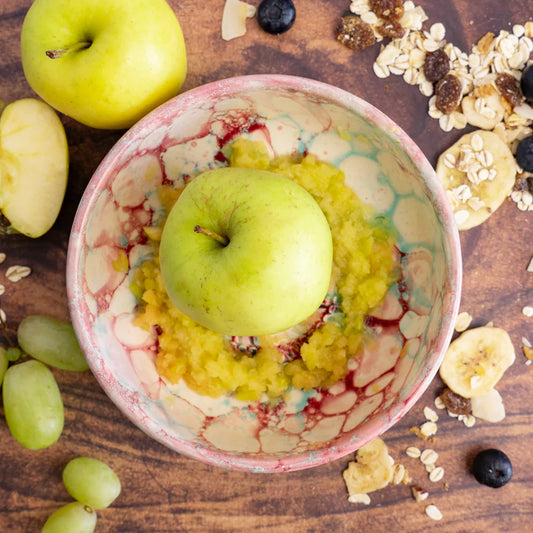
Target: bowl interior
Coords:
[[184, 137]]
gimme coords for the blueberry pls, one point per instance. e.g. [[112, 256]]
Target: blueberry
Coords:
[[276, 16], [524, 153], [492, 467], [526, 83]]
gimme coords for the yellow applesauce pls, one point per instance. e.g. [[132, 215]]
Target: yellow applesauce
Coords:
[[365, 266]]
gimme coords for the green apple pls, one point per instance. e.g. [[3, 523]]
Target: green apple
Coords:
[[33, 166], [246, 252], [105, 63]]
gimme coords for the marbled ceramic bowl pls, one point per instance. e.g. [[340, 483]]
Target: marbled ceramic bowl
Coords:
[[412, 329]]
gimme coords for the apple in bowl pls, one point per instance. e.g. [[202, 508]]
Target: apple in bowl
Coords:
[[246, 252]]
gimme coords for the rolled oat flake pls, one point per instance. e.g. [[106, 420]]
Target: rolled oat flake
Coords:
[[433, 512]]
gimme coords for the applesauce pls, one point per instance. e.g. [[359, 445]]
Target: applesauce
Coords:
[[313, 354]]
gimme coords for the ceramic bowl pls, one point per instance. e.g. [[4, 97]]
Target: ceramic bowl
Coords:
[[412, 328]]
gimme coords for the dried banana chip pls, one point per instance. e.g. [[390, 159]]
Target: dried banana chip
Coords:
[[478, 172], [372, 469], [484, 112], [477, 360]]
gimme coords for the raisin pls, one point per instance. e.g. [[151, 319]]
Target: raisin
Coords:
[[391, 29], [523, 183], [448, 94], [387, 9], [454, 403], [355, 33], [436, 65], [509, 88]]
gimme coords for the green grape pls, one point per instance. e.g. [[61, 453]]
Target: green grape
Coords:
[[74, 517], [32, 404], [51, 341], [13, 354], [91, 481], [4, 361]]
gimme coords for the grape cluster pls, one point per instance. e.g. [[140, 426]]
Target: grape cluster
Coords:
[[32, 401], [34, 413]]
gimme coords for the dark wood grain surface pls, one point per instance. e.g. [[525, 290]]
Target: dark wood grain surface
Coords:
[[166, 492]]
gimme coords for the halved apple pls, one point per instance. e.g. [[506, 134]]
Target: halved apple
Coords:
[[33, 166]]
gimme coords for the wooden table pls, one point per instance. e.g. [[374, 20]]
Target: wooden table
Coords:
[[163, 491]]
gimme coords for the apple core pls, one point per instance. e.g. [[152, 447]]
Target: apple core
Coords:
[[237, 242]]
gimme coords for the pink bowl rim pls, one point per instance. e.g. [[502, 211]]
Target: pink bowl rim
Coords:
[[340, 97]]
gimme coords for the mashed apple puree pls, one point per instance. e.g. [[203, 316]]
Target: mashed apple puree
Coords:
[[365, 265]]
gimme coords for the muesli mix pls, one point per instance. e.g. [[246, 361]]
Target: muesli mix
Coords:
[[480, 88]]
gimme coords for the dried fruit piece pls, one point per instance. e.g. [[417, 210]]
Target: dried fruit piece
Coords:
[[448, 94], [355, 33], [436, 65], [359, 498], [484, 44], [455, 403], [398, 473], [484, 112], [476, 189], [387, 9], [489, 407], [528, 352], [509, 88], [391, 29], [492, 468], [372, 470], [476, 361], [234, 18]]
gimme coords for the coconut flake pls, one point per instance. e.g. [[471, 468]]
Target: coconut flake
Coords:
[[234, 18], [489, 406]]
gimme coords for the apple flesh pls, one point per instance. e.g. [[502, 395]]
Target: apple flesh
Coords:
[[246, 252], [33, 166], [105, 63]]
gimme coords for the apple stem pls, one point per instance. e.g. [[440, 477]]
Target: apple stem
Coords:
[[60, 52], [212, 234]]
